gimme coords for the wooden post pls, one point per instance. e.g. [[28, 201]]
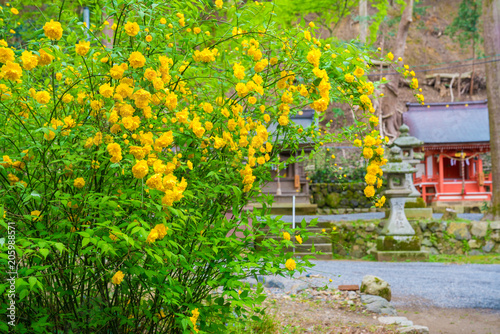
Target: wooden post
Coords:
[[480, 175], [441, 173]]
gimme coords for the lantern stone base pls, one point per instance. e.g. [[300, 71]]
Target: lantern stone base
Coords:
[[400, 248], [398, 243], [402, 256]]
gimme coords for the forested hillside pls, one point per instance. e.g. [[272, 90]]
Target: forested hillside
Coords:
[[431, 51]]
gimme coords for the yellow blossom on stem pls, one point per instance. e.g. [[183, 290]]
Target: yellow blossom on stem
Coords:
[[53, 30], [79, 182], [132, 28], [118, 277], [290, 264], [82, 48]]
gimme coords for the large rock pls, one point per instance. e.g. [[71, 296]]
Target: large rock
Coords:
[[402, 321], [333, 200], [495, 225], [319, 199], [495, 236], [375, 286], [449, 214], [414, 330], [431, 250], [478, 229], [459, 230], [488, 246], [378, 305], [474, 244]]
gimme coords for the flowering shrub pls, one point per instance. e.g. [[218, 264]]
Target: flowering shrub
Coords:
[[119, 166]]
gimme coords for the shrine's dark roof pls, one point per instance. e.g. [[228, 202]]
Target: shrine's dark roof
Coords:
[[453, 122]]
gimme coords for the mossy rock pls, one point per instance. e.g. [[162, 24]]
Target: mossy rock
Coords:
[[419, 204], [333, 200], [319, 199]]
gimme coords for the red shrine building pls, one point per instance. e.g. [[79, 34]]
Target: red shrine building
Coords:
[[455, 137]]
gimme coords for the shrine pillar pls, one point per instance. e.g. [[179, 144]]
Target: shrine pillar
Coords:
[[441, 173], [480, 175]]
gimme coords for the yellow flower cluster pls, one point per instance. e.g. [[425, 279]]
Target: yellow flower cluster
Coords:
[[194, 319], [132, 28], [374, 152], [82, 48], [79, 182], [158, 232], [53, 30], [117, 277], [206, 55], [290, 264]]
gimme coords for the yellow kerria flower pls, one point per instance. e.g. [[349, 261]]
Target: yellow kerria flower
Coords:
[[140, 169], [6, 54], [79, 182], [35, 214], [390, 56], [136, 59], [132, 28], [153, 235], [82, 48], [290, 264], [299, 239], [359, 72], [286, 236], [367, 153], [42, 97], [369, 191], [11, 71], [53, 30], [118, 277]]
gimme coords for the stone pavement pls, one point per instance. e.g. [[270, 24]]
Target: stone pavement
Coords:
[[367, 216]]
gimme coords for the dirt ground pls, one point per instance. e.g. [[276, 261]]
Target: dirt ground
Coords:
[[454, 321], [299, 315]]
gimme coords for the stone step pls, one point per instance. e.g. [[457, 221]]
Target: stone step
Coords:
[[288, 198], [324, 248], [326, 256], [304, 248], [316, 230], [286, 208], [322, 239]]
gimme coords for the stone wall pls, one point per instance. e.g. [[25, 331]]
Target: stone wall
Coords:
[[358, 239], [339, 196]]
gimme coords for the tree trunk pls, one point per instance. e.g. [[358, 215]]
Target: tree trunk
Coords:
[[363, 20], [472, 75], [491, 35], [392, 115]]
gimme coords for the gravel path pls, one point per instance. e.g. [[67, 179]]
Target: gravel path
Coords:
[[418, 284], [368, 216]]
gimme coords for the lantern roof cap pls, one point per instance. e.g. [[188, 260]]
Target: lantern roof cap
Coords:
[[396, 164], [405, 140]]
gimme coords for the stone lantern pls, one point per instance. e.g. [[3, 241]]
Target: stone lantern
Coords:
[[398, 240], [407, 143]]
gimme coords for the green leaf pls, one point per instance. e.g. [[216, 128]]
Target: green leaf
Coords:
[[44, 252], [59, 246], [32, 280], [85, 241]]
